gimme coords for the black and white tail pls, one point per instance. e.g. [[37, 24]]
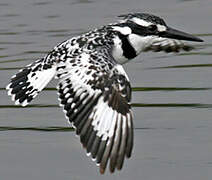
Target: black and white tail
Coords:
[[25, 85]]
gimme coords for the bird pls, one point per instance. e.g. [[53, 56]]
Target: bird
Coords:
[[94, 89]]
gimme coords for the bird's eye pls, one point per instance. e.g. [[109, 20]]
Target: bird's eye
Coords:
[[152, 28]]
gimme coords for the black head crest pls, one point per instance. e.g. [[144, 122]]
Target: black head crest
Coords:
[[145, 16]]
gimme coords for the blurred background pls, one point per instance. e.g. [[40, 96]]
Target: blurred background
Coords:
[[172, 94]]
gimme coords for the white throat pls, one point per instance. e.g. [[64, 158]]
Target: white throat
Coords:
[[140, 43]]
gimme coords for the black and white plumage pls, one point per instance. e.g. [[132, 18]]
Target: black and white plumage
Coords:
[[93, 87]]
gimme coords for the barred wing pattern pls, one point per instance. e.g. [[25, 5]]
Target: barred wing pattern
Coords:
[[30, 81], [96, 100], [167, 45]]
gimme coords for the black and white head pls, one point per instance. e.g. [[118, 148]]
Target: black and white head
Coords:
[[146, 32]]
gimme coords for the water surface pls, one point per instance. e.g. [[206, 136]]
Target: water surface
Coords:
[[172, 94]]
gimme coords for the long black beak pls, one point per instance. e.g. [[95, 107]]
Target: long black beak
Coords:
[[175, 34]]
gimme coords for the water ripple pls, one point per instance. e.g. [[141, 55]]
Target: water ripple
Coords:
[[169, 89], [183, 66], [149, 89], [15, 60], [11, 68], [41, 3], [53, 128], [152, 105], [174, 105], [61, 128]]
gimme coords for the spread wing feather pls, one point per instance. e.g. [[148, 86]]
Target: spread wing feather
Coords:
[[95, 95], [29, 81], [168, 45]]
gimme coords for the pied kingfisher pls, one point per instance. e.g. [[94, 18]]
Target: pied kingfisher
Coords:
[[93, 88]]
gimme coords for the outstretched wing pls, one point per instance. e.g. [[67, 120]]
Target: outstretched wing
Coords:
[[167, 45], [29, 81], [95, 93]]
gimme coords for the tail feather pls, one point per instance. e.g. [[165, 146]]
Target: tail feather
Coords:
[[25, 85]]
